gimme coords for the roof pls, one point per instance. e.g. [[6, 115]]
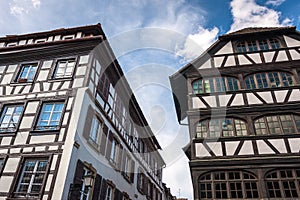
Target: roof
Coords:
[[258, 30]]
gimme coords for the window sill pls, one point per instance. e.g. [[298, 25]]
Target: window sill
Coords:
[[60, 79], [21, 83], [44, 132], [94, 145], [8, 134]]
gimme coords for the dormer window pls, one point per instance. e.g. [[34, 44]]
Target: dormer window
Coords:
[[68, 37], [257, 45], [40, 40], [12, 44]]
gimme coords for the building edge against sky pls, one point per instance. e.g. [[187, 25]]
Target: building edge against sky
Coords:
[[68, 115], [242, 101]]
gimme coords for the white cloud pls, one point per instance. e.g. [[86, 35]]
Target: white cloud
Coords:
[[275, 2], [247, 13], [195, 44], [21, 7]]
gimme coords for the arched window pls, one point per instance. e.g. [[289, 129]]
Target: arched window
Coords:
[[228, 127], [257, 45], [217, 84], [228, 185], [269, 80], [277, 124], [283, 183]]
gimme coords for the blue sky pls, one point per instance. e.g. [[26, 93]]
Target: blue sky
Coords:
[[152, 39]]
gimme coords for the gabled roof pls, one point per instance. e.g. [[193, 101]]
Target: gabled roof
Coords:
[[178, 82], [258, 30]]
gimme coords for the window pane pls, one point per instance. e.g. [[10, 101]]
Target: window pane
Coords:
[[263, 45], [10, 117], [275, 44], [64, 68], [50, 116], [241, 47], [287, 124], [252, 46], [197, 87]]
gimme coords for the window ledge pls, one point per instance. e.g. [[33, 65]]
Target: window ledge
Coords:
[[7, 134], [60, 79], [44, 132]]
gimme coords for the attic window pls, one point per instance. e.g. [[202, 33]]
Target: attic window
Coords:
[[11, 44], [68, 37], [257, 45], [40, 40]]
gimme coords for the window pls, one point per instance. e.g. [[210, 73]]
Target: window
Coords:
[[228, 127], [95, 132], [31, 178], [26, 73], [128, 167], [256, 45], [141, 181], [10, 118], [283, 183], [218, 84], [68, 37], [50, 116], [84, 190], [109, 193], [228, 185], [277, 124], [64, 68], [269, 80], [1, 164], [114, 152]]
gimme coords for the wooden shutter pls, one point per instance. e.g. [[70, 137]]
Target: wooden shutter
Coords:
[[103, 189], [120, 157], [77, 182], [88, 122], [103, 140], [97, 187], [132, 171]]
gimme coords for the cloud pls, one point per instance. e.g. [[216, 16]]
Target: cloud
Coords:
[[21, 7], [275, 2], [247, 13], [196, 43]]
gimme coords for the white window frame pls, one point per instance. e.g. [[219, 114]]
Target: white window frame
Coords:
[[33, 175], [31, 67], [49, 120], [11, 115], [63, 66], [109, 192], [96, 131]]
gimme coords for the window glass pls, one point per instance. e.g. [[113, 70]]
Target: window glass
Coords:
[[277, 124], [217, 84], [252, 46], [275, 44], [263, 45], [31, 178], [50, 116], [241, 47], [268, 80], [95, 131], [27, 73], [10, 117], [64, 68], [228, 185]]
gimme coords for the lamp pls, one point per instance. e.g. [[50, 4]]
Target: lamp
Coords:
[[88, 179]]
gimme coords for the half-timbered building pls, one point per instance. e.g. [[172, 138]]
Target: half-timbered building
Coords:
[[242, 101], [70, 126]]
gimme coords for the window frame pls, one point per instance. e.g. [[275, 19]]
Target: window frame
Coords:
[[279, 120], [19, 172], [52, 75], [37, 117], [254, 81], [17, 79], [208, 122], [99, 131], [8, 133], [222, 178], [244, 45], [213, 84], [295, 179]]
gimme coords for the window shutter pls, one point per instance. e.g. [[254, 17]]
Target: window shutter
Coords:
[[118, 195], [77, 182], [103, 189], [109, 145], [132, 171], [88, 123], [97, 187], [103, 139], [120, 157]]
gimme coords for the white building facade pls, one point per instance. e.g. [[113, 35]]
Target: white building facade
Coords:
[[68, 114]]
